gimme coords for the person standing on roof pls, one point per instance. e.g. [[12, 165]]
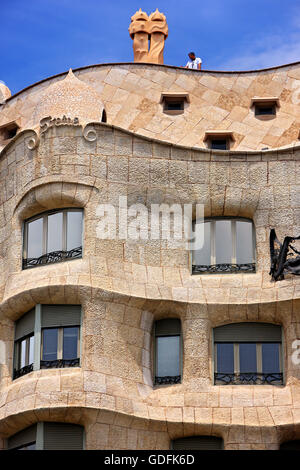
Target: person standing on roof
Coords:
[[194, 62]]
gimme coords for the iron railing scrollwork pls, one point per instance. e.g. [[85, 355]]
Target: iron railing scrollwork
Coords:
[[167, 380], [23, 371], [223, 268], [58, 363], [53, 257], [249, 378], [285, 258]]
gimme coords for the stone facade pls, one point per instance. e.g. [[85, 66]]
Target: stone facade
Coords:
[[125, 286], [218, 100]]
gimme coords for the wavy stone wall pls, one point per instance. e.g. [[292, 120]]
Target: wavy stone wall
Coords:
[[124, 287], [218, 100]]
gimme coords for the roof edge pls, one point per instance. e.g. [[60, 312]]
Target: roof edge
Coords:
[[138, 64]]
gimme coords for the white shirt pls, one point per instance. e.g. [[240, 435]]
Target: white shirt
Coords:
[[193, 64]]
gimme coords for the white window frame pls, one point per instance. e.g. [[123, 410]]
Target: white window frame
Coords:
[[45, 216], [212, 221]]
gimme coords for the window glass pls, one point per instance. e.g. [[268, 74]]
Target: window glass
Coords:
[[225, 358], [70, 342], [168, 356], [223, 242], [244, 242], [31, 349], [35, 238], [74, 229], [248, 361], [50, 337], [55, 232], [174, 105], [23, 353], [219, 144], [203, 256], [261, 110], [270, 358]]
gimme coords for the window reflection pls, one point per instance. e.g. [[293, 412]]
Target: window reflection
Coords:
[[52, 237], [50, 342], [168, 348], [70, 342]]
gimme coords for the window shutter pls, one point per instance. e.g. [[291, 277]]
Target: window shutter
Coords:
[[63, 436], [198, 443], [25, 325], [247, 333], [60, 315], [22, 438], [168, 327]]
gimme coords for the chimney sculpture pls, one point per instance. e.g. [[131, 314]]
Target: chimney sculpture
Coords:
[[142, 29]]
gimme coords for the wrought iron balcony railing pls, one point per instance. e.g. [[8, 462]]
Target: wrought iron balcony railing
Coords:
[[53, 257], [223, 268], [167, 380], [248, 378], [23, 371], [58, 363]]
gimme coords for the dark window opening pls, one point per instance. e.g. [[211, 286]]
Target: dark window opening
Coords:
[[9, 131], [173, 105], [290, 445], [104, 116], [219, 144], [265, 110]]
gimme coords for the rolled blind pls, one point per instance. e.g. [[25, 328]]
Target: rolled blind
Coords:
[[167, 327], [63, 436], [22, 438], [198, 443], [25, 325], [60, 315], [248, 332]]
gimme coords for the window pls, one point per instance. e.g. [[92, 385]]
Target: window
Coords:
[[219, 144], [248, 353], [219, 139], [104, 116], [24, 344], [8, 131], [53, 237], [167, 351], [23, 440], [228, 246], [265, 107], [173, 103], [48, 436], [59, 345], [198, 443]]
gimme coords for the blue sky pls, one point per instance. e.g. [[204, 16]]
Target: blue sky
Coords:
[[40, 38]]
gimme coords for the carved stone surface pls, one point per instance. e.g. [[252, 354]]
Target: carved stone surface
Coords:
[[69, 98], [143, 28], [4, 92]]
